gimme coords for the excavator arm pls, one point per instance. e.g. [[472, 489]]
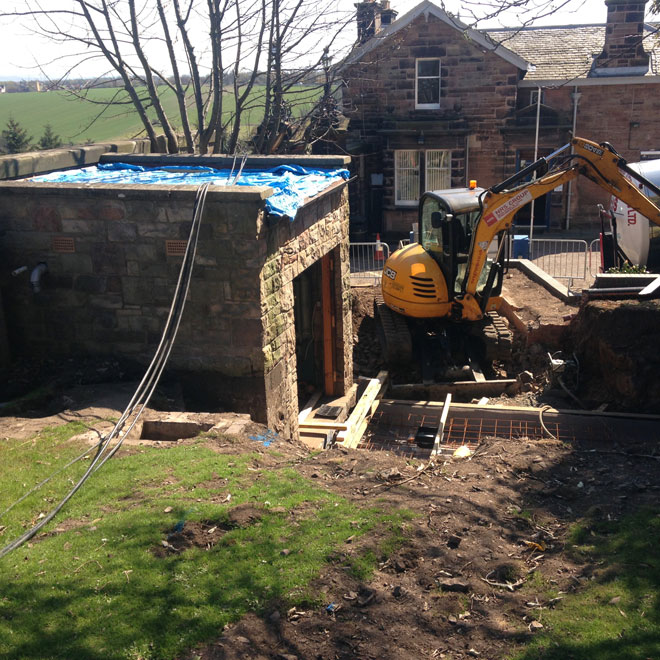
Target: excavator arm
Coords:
[[598, 162]]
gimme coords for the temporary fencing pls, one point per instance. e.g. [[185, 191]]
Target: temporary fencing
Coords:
[[561, 258], [367, 260]]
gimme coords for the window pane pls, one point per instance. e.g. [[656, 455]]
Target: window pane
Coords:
[[428, 68], [438, 158], [406, 165], [438, 169], [428, 90], [407, 159]]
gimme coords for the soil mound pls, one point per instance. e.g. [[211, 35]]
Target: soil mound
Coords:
[[617, 345]]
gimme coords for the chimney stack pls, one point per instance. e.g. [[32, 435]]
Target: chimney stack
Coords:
[[387, 15], [372, 16], [623, 52]]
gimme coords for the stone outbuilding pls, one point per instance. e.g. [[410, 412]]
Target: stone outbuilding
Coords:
[[267, 318]]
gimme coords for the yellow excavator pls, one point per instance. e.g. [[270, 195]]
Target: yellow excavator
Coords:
[[449, 273]]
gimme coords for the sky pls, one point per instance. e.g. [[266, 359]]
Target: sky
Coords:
[[20, 51]]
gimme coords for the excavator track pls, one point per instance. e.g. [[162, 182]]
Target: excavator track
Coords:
[[394, 334], [497, 338]]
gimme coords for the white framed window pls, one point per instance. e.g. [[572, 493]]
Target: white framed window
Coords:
[[534, 96], [438, 169], [406, 177], [427, 83], [408, 165]]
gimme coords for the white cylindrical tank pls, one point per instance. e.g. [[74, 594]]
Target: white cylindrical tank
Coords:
[[638, 238]]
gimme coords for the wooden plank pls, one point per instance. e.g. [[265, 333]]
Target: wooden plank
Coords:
[[309, 406], [438, 391], [523, 409], [509, 313], [314, 440], [359, 418], [592, 423], [441, 427], [322, 424], [328, 335]]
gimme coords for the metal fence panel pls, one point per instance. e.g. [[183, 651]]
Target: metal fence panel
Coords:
[[366, 261], [562, 258], [594, 257]]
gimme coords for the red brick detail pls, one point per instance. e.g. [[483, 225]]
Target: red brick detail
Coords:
[[63, 244], [111, 212], [46, 218]]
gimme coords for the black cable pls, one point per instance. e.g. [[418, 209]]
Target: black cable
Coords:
[[52, 476], [148, 383]]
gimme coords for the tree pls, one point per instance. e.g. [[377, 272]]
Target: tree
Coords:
[[206, 54], [49, 140], [15, 137]]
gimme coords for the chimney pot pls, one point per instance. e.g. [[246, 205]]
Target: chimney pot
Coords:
[[624, 46]]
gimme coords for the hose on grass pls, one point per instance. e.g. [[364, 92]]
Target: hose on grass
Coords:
[[104, 448]]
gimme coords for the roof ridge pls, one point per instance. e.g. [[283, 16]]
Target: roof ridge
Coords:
[[543, 27], [529, 28], [425, 8]]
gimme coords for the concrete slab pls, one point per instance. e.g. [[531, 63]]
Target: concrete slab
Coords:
[[539, 276]]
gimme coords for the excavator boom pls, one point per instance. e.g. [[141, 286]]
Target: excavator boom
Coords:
[[598, 162]]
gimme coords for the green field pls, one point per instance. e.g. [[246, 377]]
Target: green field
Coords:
[[74, 119]]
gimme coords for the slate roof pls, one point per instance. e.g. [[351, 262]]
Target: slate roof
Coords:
[[566, 52]]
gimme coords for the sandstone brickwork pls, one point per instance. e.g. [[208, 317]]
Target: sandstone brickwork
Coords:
[[478, 90]]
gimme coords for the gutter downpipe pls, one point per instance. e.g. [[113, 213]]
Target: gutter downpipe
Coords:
[[35, 276], [467, 161], [576, 99], [536, 155]]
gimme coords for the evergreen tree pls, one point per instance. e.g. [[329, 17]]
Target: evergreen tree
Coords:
[[49, 140], [15, 138]]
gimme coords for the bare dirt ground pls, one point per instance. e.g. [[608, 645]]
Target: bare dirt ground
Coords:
[[610, 347], [533, 304], [546, 318], [470, 578]]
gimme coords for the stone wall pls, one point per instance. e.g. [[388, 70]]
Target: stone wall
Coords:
[[626, 116], [486, 117], [13, 166], [112, 268], [320, 228]]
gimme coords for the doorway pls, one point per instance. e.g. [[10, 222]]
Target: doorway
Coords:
[[315, 312]]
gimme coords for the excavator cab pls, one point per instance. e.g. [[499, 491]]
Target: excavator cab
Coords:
[[448, 219], [424, 279]]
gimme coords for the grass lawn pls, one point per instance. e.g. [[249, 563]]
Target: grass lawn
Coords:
[[95, 584], [616, 612], [71, 117]]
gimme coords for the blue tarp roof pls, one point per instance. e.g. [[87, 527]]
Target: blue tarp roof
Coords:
[[292, 183]]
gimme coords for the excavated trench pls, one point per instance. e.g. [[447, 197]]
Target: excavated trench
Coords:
[[609, 351]]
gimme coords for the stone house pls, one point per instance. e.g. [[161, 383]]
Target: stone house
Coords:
[[433, 103]]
